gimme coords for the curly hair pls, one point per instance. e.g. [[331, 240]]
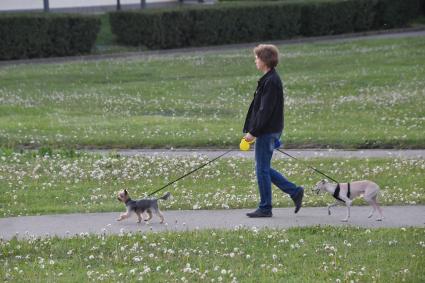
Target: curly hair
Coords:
[[267, 53]]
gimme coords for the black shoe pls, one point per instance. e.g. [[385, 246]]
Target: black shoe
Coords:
[[298, 199], [259, 213]]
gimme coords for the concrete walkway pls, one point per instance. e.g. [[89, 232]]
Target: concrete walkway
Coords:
[[67, 225]]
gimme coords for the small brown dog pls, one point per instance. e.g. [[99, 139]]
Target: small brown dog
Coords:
[[140, 206]]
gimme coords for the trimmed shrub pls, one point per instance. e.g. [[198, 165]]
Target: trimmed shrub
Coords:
[[221, 24], [40, 35], [257, 21], [327, 18], [244, 24], [395, 13]]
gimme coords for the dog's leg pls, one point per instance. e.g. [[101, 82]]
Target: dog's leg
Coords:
[[372, 204], [331, 205], [160, 216], [372, 211], [140, 216], [149, 212], [379, 209], [348, 205], [124, 216], [159, 213]]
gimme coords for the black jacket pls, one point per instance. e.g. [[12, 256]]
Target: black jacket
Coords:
[[265, 114]]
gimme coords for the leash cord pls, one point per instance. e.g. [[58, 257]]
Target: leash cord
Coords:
[[318, 171], [221, 155], [193, 171]]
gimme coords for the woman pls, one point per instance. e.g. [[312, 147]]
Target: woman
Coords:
[[264, 124]]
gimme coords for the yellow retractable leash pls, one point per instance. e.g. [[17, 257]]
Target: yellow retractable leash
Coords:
[[245, 145]]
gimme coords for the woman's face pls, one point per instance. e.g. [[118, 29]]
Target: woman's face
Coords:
[[260, 64]]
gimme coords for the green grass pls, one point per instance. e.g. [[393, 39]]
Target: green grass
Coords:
[[316, 254], [32, 185], [356, 94], [106, 40], [105, 36]]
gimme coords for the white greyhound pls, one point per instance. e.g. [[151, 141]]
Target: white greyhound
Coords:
[[346, 192]]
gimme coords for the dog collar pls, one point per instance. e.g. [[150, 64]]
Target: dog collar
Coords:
[[338, 189], [128, 200]]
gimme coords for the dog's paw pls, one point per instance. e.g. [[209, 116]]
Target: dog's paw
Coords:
[[344, 220], [370, 216], [380, 219]]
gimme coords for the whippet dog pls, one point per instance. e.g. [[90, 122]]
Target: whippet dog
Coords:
[[346, 192]]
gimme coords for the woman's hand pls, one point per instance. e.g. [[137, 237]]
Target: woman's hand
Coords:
[[249, 138]]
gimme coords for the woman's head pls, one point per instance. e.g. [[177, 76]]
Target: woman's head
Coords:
[[268, 54]]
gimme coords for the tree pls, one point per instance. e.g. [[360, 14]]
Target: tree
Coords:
[[46, 5]]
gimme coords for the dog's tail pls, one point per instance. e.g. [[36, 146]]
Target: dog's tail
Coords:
[[166, 196]]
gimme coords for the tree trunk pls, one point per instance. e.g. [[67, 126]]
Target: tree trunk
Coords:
[[46, 5]]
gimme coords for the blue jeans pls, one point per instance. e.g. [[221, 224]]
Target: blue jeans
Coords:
[[264, 147]]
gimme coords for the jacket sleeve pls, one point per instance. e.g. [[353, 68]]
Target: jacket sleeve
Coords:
[[269, 98], [248, 117]]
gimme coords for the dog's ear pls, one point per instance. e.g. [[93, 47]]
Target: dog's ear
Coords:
[[125, 192]]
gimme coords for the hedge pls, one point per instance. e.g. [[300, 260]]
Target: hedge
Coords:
[[46, 35], [250, 22]]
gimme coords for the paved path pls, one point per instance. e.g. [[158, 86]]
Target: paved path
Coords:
[[98, 223], [298, 153]]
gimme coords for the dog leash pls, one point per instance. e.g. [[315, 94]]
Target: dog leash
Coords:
[[193, 171], [318, 171], [221, 155]]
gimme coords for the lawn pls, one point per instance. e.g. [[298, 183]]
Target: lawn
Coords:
[[353, 94], [315, 254], [32, 184]]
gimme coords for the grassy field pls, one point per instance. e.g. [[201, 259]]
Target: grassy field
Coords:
[[316, 254], [355, 94], [31, 185]]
